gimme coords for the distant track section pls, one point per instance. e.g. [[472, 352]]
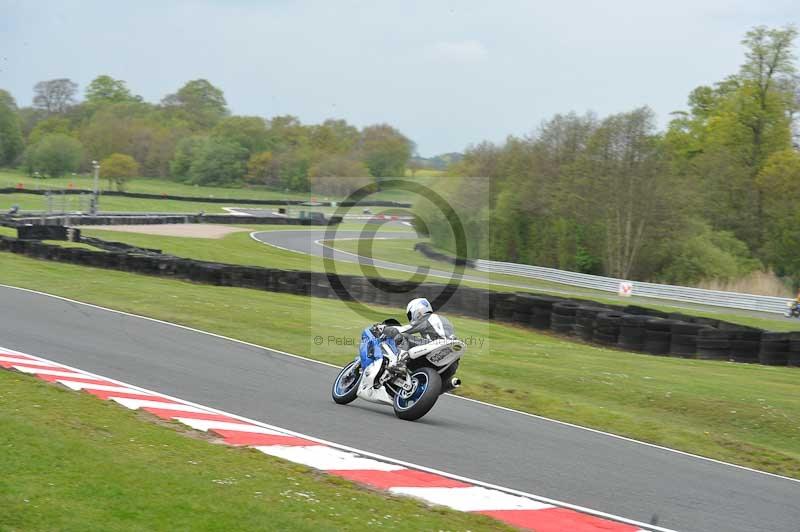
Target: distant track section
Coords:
[[773, 305]]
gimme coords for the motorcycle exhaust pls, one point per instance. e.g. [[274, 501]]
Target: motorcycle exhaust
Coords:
[[455, 382]]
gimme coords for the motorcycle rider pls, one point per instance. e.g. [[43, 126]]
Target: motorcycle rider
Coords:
[[422, 322]]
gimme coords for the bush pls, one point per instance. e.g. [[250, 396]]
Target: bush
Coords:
[[708, 255], [54, 155], [218, 162]]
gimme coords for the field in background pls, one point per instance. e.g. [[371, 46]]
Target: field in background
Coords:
[[747, 414], [149, 185], [70, 459]]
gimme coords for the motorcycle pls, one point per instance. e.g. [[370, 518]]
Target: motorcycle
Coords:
[[414, 385], [793, 311]]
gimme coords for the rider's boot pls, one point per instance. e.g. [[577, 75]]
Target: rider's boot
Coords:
[[398, 367]]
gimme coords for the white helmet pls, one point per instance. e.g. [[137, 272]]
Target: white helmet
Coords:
[[417, 308]]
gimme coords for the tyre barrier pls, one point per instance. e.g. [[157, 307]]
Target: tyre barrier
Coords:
[[562, 317], [606, 329], [714, 344], [427, 250], [774, 349], [632, 332], [593, 322], [658, 336], [586, 321], [794, 349], [683, 338]]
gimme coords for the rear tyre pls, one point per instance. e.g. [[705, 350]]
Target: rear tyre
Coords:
[[412, 405], [345, 387]]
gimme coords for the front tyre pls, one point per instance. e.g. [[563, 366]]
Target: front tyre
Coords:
[[345, 387], [425, 390]]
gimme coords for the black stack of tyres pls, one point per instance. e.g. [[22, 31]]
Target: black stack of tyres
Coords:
[[709, 322], [562, 317], [683, 341], [657, 334], [774, 349], [637, 310], [606, 327], [794, 349], [632, 332], [503, 306], [679, 316], [585, 321], [541, 310], [714, 344], [745, 342], [523, 308]]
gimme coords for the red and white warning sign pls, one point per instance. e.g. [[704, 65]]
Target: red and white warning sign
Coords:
[[625, 288]]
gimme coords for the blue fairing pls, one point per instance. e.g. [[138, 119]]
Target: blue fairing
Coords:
[[370, 348]]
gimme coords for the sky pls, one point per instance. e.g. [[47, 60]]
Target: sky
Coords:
[[446, 73]]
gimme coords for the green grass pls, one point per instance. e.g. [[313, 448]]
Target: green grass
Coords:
[[74, 462], [746, 414]]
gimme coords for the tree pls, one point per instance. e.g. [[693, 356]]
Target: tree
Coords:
[[198, 102], [338, 175], [218, 162], [119, 168], [779, 183], [339, 166], [55, 95], [261, 170], [247, 131], [8, 100], [186, 151], [624, 184], [54, 155], [105, 89], [49, 126], [333, 137], [386, 151], [11, 144], [734, 127]]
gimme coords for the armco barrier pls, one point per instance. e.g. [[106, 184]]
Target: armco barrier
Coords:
[[203, 199], [775, 305], [609, 325]]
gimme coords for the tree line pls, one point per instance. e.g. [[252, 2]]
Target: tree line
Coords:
[[189, 136], [714, 196]]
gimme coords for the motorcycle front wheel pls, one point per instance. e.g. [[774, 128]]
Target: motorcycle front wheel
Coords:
[[415, 403], [345, 387]]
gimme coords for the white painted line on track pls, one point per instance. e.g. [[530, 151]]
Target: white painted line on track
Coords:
[[506, 409]]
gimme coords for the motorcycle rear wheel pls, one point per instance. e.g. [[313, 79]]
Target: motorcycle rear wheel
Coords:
[[412, 405], [345, 387]]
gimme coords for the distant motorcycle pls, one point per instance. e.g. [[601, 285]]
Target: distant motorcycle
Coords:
[[793, 311], [416, 385]]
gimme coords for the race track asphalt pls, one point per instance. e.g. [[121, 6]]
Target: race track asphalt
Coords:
[[462, 437], [306, 241]]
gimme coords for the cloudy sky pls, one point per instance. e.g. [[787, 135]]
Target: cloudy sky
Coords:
[[447, 73]]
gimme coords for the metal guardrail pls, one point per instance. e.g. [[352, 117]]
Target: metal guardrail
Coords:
[[775, 305]]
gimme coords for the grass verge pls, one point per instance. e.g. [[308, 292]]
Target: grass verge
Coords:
[[73, 462], [746, 414]]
